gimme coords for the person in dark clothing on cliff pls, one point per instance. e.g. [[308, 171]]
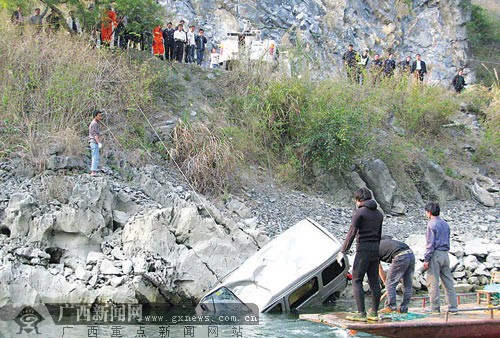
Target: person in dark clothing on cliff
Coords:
[[389, 66], [418, 68], [405, 65], [458, 81], [168, 39], [350, 59], [366, 227], [402, 261]]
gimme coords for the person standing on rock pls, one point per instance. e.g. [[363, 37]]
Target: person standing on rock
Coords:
[[366, 227], [94, 140], [402, 261], [437, 261]]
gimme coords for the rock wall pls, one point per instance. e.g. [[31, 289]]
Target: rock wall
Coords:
[[154, 242], [433, 28]]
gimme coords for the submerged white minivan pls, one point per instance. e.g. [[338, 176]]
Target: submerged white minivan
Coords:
[[295, 270]]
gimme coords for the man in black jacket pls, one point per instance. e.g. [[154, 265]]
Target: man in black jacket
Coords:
[[366, 227], [389, 66], [402, 261], [168, 41], [200, 41], [459, 81], [418, 68], [350, 59]]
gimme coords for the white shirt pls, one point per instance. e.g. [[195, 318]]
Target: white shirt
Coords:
[[419, 67], [214, 58], [69, 21], [180, 35], [190, 38]]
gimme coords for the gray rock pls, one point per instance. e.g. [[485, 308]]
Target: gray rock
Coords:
[[453, 261], [482, 195], [56, 162], [127, 266], [94, 257], [476, 247], [417, 244], [118, 253], [473, 280], [120, 217], [463, 288], [82, 274], [239, 208], [18, 214], [108, 268], [384, 187], [482, 271], [494, 258], [92, 281], [117, 281]]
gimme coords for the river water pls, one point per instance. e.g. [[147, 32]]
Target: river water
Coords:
[[269, 325]]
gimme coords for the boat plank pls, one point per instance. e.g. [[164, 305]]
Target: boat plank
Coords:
[[464, 324]]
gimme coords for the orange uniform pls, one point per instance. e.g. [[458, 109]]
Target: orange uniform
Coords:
[[158, 47], [108, 25]]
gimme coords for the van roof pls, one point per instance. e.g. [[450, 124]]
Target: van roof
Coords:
[[282, 262]]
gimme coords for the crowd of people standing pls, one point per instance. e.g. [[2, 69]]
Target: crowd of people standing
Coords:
[[179, 45], [53, 20], [359, 67]]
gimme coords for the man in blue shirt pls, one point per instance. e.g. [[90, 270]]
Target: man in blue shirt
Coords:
[[436, 259]]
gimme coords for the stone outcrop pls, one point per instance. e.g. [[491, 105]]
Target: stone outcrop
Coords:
[[150, 243], [435, 29], [384, 187]]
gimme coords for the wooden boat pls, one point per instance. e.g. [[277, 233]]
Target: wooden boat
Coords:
[[470, 322]]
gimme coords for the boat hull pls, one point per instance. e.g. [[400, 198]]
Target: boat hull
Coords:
[[457, 326]]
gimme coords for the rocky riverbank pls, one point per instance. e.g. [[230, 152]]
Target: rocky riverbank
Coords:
[[70, 237]]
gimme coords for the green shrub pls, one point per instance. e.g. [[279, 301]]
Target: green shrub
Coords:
[[483, 32], [205, 156]]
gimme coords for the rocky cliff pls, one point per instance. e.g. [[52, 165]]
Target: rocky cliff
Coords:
[[433, 28], [85, 239]]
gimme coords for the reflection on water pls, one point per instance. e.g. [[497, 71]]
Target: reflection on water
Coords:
[[270, 325]]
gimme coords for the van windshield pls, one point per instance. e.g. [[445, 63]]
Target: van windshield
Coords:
[[223, 300]]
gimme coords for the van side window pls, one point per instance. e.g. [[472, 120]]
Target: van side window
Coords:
[[278, 308], [303, 293], [331, 272]]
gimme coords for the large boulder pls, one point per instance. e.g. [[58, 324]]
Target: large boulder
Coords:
[[18, 214], [482, 195], [432, 182], [384, 187], [477, 247]]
